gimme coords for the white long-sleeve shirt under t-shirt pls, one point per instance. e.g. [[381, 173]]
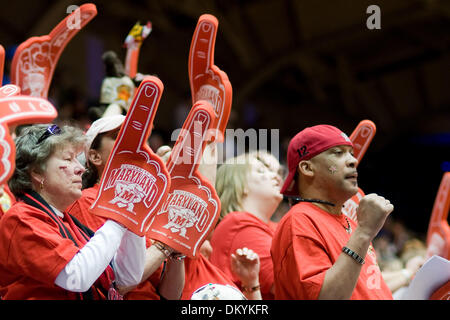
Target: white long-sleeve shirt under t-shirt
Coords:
[[110, 243]]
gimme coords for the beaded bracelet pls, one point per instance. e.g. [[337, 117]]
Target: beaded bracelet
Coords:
[[353, 254], [161, 247]]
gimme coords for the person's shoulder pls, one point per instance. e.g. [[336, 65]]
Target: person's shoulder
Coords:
[[300, 216], [20, 209], [23, 214], [301, 210], [235, 217], [240, 220]]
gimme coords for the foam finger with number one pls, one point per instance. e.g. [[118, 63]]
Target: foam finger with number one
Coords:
[[17, 109], [361, 138], [207, 81], [35, 59], [135, 181], [192, 207], [438, 234]]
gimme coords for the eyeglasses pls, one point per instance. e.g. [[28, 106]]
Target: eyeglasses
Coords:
[[51, 130]]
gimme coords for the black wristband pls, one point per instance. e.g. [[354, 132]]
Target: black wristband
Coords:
[[353, 254]]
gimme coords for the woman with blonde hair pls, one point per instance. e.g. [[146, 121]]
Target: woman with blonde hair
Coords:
[[249, 191]]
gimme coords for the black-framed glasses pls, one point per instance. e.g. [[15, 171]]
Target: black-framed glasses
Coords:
[[51, 130]]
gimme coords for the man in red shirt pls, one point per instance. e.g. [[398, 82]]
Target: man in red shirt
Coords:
[[318, 252]]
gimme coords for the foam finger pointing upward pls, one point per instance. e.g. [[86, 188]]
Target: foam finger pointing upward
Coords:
[[202, 46], [191, 142], [142, 112], [361, 138]]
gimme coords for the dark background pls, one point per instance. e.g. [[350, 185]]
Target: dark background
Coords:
[[292, 64]]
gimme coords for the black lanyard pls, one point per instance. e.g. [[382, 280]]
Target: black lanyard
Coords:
[[35, 200]]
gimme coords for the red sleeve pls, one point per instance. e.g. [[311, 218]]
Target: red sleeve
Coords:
[[260, 241], [32, 246], [312, 262]]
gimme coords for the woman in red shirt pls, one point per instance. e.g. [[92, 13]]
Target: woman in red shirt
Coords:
[[249, 191], [44, 252], [155, 285]]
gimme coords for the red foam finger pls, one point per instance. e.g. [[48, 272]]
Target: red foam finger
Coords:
[[350, 206], [15, 110], [188, 149], [201, 54], [192, 207], [438, 234], [7, 154], [206, 80], [141, 114], [9, 90], [223, 111], [135, 181], [35, 59], [2, 63], [361, 138]]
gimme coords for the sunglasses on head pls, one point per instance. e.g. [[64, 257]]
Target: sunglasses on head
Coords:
[[51, 130]]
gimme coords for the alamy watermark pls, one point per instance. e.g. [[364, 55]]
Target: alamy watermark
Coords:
[[74, 20], [374, 20], [236, 142]]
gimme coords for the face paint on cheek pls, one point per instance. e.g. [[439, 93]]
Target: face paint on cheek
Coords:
[[332, 169], [64, 169]]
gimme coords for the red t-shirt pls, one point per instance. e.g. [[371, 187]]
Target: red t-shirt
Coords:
[[201, 271], [307, 243], [80, 210], [32, 254], [238, 230]]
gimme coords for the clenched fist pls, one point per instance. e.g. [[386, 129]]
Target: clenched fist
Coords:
[[372, 213]]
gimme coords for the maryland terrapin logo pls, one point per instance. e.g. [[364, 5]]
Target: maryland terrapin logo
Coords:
[[131, 185], [185, 210]]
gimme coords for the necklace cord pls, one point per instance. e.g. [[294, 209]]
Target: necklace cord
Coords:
[[296, 200]]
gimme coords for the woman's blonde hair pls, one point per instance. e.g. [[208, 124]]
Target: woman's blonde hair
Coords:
[[231, 182]]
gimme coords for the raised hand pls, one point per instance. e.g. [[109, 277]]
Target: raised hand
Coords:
[[438, 234], [245, 265], [361, 138], [35, 59], [372, 213], [135, 181], [192, 207], [207, 81]]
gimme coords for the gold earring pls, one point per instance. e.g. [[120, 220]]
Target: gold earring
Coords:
[[41, 185]]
